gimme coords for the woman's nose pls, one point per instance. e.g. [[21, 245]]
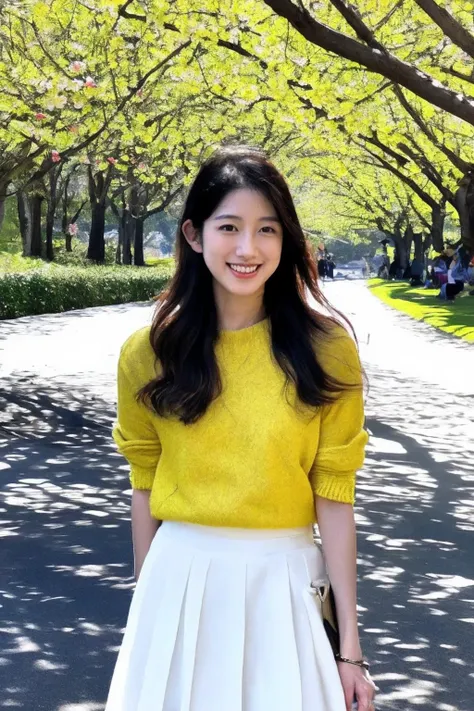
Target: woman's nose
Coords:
[[247, 245]]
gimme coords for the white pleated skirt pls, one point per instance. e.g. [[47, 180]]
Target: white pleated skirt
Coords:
[[223, 620]]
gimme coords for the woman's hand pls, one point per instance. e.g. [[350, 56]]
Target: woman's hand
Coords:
[[357, 684]]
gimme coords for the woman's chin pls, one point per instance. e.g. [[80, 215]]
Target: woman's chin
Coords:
[[240, 287]]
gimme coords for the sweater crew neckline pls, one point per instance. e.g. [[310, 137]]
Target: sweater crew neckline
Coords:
[[242, 334]]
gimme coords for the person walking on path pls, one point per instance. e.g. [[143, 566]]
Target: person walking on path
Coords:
[[240, 411]]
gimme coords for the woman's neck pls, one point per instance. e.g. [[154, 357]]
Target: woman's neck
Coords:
[[236, 313]]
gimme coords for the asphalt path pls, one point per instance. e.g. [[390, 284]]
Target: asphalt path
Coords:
[[65, 554]]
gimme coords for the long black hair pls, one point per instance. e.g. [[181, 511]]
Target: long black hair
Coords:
[[185, 326]]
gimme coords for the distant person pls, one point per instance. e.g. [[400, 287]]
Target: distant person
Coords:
[[322, 267], [394, 269], [439, 270], [456, 278], [417, 271], [380, 265], [330, 266], [241, 413]]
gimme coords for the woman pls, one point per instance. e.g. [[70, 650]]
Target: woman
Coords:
[[248, 425]]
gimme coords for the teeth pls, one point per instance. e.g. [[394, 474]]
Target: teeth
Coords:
[[243, 270]]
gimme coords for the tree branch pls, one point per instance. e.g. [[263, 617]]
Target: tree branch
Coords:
[[456, 160], [377, 60], [453, 29], [164, 204], [405, 179], [123, 12]]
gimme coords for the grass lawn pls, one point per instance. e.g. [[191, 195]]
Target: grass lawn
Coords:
[[455, 317]]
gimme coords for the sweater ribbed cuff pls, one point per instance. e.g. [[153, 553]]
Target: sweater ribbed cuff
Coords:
[[142, 478], [336, 487]]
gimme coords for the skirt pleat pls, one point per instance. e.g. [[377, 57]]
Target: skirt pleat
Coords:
[[222, 620], [269, 632], [165, 632], [189, 632]]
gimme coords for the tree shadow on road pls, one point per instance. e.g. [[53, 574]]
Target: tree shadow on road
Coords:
[[66, 564], [415, 521]]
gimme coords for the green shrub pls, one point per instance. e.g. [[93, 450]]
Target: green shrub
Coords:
[[10, 263], [53, 289]]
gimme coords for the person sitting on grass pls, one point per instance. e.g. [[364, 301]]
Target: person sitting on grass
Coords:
[[439, 271], [417, 271], [457, 275]]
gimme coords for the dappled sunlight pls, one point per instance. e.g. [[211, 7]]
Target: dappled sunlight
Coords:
[[415, 514], [67, 578], [65, 523]]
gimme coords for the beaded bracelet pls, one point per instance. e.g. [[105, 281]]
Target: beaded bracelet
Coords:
[[362, 663]]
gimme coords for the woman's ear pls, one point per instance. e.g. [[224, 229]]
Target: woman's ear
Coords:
[[192, 235]]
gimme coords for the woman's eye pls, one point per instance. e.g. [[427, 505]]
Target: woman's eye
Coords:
[[268, 229], [227, 228]]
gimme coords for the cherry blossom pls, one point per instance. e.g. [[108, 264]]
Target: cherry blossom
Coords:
[[55, 156], [111, 160], [90, 83], [77, 66], [39, 116]]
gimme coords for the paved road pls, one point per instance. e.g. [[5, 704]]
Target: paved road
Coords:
[[65, 578]]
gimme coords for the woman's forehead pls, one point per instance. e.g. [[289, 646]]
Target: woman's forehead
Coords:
[[243, 202]]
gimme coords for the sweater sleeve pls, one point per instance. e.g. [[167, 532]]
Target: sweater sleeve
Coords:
[[342, 441], [134, 432]]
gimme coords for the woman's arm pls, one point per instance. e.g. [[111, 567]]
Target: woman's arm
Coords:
[[338, 537], [144, 527]]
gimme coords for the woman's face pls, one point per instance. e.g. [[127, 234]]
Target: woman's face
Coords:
[[241, 243]]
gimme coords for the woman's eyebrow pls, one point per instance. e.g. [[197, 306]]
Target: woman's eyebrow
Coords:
[[237, 217]]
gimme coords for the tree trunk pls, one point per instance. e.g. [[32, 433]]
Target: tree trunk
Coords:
[[408, 240], [438, 216], [36, 233], [24, 218], [65, 218], [2, 211], [118, 251], [464, 202], [419, 247], [401, 243], [49, 232], [97, 198], [138, 256], [96, 249], [128, 236], [4, 185]]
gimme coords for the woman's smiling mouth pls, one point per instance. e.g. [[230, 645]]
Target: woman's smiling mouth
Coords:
[[244, 270]]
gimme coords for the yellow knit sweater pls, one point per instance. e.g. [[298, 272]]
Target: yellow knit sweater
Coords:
[[254, 460]]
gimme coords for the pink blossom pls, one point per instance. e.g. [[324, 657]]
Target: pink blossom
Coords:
[[72, 229], [111, 160], [40, 116], [74, 128], [55, 156], [76, 66], [142, 166], [90, 83]]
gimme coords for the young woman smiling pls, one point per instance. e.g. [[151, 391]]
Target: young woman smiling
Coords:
[[240, 412]]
